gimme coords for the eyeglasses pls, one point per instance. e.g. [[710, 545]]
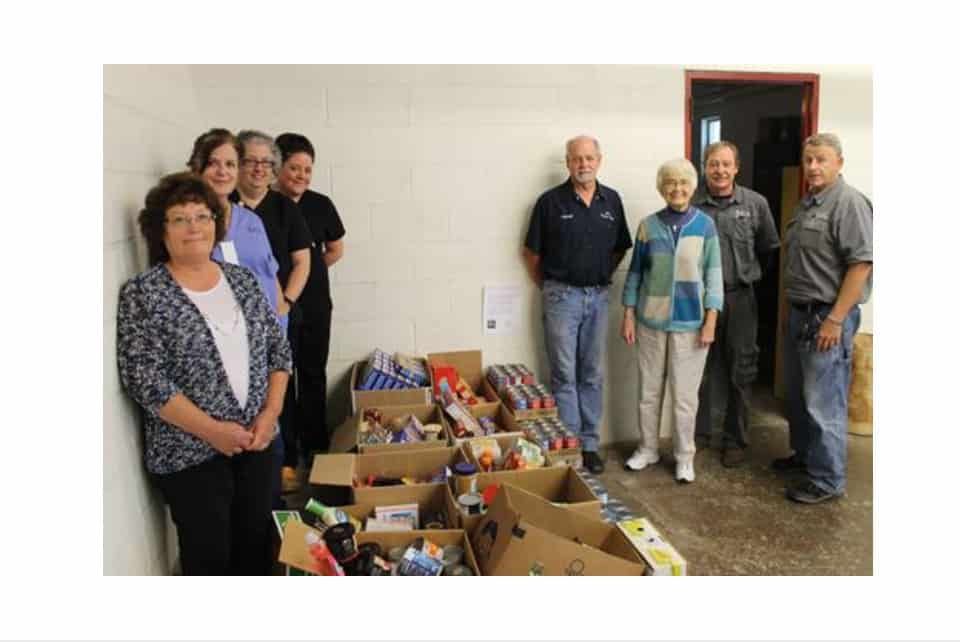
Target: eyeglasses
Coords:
[[670, 183], [219, 164], [253, 162], [200, 219]]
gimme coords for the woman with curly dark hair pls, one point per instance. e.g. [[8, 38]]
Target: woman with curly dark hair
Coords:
[[201, 352]]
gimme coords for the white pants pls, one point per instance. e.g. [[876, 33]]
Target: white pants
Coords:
[[674, 360]]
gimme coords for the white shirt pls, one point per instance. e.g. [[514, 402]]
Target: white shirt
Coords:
[[225, 319]]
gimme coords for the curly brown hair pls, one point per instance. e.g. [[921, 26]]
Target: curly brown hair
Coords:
[[172, 190]]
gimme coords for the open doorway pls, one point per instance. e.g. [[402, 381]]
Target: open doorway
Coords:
[[767, 116]]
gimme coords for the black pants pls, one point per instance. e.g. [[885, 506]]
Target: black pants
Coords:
[[731, 368], [310, 341], [221, 508]]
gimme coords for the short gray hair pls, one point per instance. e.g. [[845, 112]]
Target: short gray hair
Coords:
[[828, 140], [576, 139], [254, 136], [677, 167]]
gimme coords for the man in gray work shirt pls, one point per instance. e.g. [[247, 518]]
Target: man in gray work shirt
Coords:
[[827, 276], [746, 230]]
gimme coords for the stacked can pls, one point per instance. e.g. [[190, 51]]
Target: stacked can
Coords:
[[549, 433], [527, 397], [501, 376]]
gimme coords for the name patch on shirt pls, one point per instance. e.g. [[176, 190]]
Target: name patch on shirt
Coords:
[[229, 252]]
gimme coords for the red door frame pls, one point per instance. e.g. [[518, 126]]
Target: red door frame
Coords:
[[810, 109]]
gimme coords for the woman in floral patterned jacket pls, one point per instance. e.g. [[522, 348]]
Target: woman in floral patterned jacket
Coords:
[[202, 353]]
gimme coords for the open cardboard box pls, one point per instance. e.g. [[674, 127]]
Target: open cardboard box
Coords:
[[331, 476], [346, 437], [431, 499], [522, 534], [496, 411], [360, 399], [295, 549], [505, 441], [469, 365], [560, 485]]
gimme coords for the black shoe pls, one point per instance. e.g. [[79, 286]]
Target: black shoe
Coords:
[[806, 492], [592, 462], [788, 464]]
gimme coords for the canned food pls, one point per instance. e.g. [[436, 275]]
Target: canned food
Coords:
[[470, 503], [571, 441]]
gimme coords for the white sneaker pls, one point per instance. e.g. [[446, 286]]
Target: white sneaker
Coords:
[[641, 459], [685, 472]]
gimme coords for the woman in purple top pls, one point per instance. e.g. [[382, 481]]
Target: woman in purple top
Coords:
[[216, 159]]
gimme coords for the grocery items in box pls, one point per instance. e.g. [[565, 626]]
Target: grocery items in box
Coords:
[[500, 376], [385, 372], [463, 423], [399, 430]]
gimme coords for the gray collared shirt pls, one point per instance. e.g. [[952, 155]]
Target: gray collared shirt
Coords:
[[746, 230], [830, 231]]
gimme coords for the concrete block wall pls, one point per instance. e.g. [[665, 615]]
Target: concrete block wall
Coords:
[[148, 115], [434, 170]]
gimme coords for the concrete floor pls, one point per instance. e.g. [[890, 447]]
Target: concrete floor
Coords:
[[738, 522]]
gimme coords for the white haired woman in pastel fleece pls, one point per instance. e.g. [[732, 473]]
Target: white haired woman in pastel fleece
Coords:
[[671, 296]]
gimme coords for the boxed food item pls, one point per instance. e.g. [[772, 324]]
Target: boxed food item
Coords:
[[560, 485], [403, 428], [385, 380], [661, 557], [418, 552], [464, 372]]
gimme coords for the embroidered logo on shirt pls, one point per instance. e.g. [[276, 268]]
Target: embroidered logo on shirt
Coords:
[[566, 215], [607, 215]]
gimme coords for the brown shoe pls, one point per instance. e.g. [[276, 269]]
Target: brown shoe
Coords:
[[733, 457], [289, 481]]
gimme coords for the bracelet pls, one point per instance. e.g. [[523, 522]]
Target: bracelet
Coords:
[[832, 320]]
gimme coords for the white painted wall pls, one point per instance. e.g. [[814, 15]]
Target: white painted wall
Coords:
[[149, 123], [434, 170]]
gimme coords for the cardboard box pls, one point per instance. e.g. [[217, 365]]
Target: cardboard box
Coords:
[[660, 556], [438, 537], [346, 437], [505, 441], [431, 499], [331, 476], [469, 365], [496, 411], [523, 534], [561, 485], [295, 550], [360, 399]]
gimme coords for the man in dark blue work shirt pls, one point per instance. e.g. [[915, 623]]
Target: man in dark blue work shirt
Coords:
[[578, 235]]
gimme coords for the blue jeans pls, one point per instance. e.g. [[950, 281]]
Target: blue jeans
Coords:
[[818, 386], [575, 333]]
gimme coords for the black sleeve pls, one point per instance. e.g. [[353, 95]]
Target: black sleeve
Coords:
[[333, 226], [298, 235], [624, 240], [534, 241]]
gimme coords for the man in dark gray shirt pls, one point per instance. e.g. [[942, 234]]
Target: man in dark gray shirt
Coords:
[[746, 229], [827, 276]]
